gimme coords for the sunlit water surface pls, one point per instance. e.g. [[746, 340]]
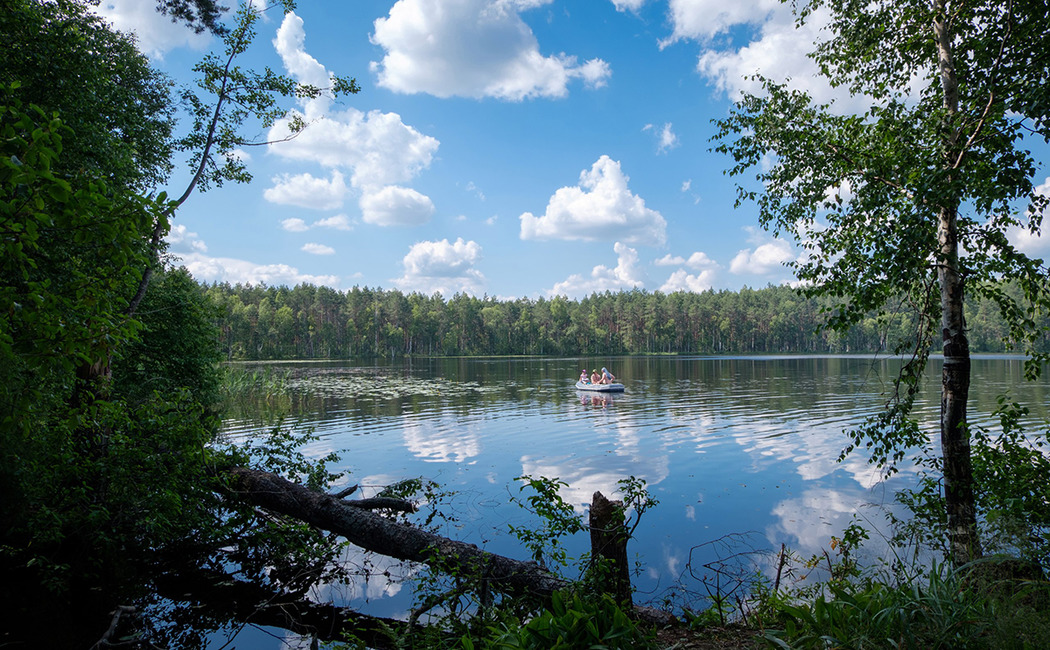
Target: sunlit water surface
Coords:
[[727, 445]]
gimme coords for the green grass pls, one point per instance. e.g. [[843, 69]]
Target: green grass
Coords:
[[945, 608]]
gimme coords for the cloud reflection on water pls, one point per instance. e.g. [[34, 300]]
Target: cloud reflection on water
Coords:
[[727, 445], [437, 442]]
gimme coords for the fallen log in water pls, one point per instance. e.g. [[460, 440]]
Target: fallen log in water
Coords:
[[401, 541]]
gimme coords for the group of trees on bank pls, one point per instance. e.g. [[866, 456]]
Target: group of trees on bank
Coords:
[[109, 369], [257, 322]]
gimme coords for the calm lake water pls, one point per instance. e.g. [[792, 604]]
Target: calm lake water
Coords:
[[727, 445]]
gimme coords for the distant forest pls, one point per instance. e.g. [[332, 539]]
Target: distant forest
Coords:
[[311, 322]]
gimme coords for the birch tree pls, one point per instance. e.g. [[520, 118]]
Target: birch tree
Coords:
[[910, 205]]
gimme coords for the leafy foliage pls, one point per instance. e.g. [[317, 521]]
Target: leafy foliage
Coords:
[[465, 608], [81, 511], [107, 392], [68, 60], [61, 298], [558, 520], [168, 352], [572, 621], [1010, 465], [909, 202], [200, 15], [109, 476], [830, 600]]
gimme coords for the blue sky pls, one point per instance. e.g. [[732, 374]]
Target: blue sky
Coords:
[[514, 148]]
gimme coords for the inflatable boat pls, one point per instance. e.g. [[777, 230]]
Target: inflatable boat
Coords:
[[600, 388]]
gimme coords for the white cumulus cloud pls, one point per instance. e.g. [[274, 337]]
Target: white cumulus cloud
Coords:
[[225, 269], [308, 191], [625, 275], [839, 194], [766, 259], [294, 224], [180, 237], [682, 280], [774, 47], [336, 222], [473, 48], [440, 266], [628, 5], [704, 19], [290, 44], [317, 249], [377, 149], [779, 52], [1024, 240], [1029, 243], [699, 260], [238, 155], [396, 206], [666, 139], [156, 33], [601, 207], [670, 260]]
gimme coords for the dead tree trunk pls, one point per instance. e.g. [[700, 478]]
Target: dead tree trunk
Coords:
[[379, 534], [609, 548]]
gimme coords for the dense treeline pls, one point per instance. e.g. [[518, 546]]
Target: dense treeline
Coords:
[[311, 322]]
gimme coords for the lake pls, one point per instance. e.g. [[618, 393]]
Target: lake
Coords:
[[728, 445]]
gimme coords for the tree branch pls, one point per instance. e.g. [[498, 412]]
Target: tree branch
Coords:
[[162, 221], [841, 153]]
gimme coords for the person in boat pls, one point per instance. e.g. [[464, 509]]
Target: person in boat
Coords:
[[595, 377], [607, 377], [584, 379]]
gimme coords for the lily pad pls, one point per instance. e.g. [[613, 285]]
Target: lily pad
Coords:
[[382, 387]]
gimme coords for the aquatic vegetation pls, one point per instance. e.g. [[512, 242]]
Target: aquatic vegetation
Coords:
[[379, 387], [254, 383]]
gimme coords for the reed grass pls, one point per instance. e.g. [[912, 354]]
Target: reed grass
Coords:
[[266, 384]]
